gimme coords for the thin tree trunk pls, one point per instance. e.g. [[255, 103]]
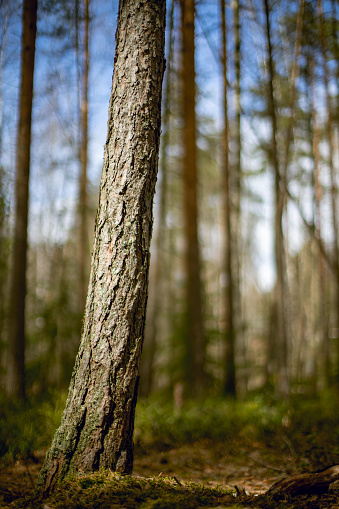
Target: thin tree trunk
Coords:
[[195, 325], [279, 291], [83, 228], [230, 380], [147, 365], [293, 88], [17, 288], [334, 200], [3, 216], [97, 424], [238, 325], [322, 321]]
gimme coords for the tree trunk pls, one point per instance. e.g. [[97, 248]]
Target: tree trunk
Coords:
[[322, 321], [280, 287], [334, 191], [17, 288], [230, 381], [83, 229], [154, 307], [195, 326], [97, 425], [293, 89]]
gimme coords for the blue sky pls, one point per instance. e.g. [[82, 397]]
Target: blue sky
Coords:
[[54, 172]]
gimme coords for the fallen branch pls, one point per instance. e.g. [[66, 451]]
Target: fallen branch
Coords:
[[316, 483]]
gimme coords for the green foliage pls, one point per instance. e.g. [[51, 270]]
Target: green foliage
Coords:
[[307, 428], [216, 419], [28, 427]]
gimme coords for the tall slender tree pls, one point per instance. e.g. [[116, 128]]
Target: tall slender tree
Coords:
[[97, 424], [230, 380], [17, 288], [83, 153], [154, 307], [322, 318], [330, 141], [195, 323], [279, 248]]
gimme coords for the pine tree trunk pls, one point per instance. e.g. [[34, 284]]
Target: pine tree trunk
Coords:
[[280, 287], [154, 307], [237, 243], [83, 228], [195, 326], [17, 288], [334, 190], [230, 381], [97, 425], [322, 321]]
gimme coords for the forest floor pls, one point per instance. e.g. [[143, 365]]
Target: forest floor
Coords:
[[253, 468], [222, 455]]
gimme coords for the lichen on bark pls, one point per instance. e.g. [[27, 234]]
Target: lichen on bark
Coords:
[[97, 425]]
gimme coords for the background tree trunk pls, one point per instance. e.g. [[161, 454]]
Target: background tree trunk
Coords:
[[195, 325], [280, 287], [322, 319], [329, 129], [17, 288], [83, 228], [97, 425], [230, 383], [155, 302]]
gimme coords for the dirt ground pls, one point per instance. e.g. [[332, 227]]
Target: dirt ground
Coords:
[[254, 469]]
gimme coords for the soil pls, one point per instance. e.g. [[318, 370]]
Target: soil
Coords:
[[205, 462], [246, 469]]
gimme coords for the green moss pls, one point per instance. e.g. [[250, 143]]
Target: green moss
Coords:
[[105, 489]]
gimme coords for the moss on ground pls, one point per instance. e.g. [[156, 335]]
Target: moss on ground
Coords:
[[107, 490]]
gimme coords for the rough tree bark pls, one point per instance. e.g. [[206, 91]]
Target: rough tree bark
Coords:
[[97, 424], [195, 332], [17, 288]]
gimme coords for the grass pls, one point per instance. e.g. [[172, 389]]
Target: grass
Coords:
[[308, 429], [216, 419], [28, 427]]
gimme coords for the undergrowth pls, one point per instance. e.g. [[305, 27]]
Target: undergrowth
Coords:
[[309, 427], [28, 427], [216, 419]]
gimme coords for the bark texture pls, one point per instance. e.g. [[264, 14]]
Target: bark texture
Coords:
[[313, 483], [97, 425], [17, 289]]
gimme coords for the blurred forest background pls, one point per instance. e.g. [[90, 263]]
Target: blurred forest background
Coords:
[[244, 282]]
